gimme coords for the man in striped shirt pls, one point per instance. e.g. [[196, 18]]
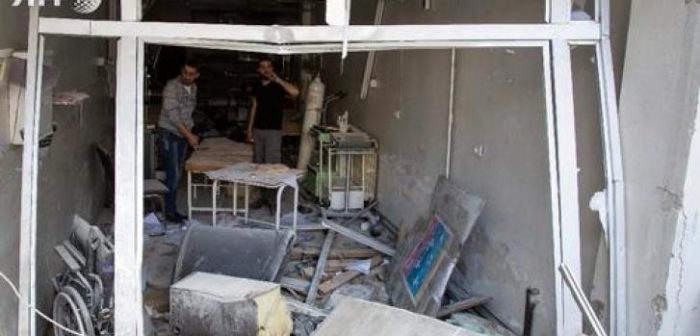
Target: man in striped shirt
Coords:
[[175, 127]]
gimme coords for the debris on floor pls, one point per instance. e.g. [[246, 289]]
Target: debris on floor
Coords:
[[318, 271]]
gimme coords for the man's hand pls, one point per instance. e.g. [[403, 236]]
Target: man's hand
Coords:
[[272, 76], [249, 136], [193, 140]]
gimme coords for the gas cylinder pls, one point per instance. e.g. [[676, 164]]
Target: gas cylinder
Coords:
[[312, 116]]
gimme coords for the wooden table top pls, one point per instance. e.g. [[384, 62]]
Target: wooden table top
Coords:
[[217, 153]]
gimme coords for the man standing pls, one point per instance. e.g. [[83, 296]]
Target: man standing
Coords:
[[175, 127], [265, 124]]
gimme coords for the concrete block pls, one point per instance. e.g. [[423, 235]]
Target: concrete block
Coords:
[[204, 304]]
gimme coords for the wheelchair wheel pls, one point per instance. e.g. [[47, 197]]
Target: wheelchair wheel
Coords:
[[70, 310]]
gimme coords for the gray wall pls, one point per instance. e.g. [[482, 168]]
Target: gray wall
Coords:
[[658, 105], [500, 105], [70, 179]]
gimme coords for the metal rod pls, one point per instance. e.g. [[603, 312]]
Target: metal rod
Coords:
[[450, 120], [582, 301]]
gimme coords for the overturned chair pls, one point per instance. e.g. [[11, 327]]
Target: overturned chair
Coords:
[[212, 293], [241, 252]]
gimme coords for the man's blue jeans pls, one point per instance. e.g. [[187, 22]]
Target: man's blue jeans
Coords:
[[173, 150]]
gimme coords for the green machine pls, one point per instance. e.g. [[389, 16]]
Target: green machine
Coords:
[[342, 171]]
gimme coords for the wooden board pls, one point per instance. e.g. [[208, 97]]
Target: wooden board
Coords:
[[320, 266], [299, 253], [345, 277], [217, 153], [462, 305]]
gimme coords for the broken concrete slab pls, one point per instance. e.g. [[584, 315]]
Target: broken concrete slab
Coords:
[[361, 318], [205, 304]]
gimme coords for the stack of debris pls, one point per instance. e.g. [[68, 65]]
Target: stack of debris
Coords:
[[322, 273], [411, 272]]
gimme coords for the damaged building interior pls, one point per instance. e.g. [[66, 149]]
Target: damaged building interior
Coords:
[[338, 167]]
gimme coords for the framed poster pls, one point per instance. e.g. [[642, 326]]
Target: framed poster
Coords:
[[422, 263]]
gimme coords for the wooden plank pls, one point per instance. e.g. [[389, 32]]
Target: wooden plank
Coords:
[[320, 266], [462, 306], [360, 238], [299, 307], [299, 253], [332, 266], [345, 277], [295, 284], [217, 153]]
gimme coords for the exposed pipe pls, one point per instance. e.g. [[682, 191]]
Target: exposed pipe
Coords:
[[450, 118], [582, 301], [530, 305]]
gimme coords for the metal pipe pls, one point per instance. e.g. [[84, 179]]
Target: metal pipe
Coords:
[[582, 301], [450, 118], [530, 305]]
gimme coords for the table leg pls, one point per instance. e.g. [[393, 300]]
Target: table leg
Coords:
[[247, 203], [280, 190], [235, 199], [213, 202], [296, 207], [189, 195]]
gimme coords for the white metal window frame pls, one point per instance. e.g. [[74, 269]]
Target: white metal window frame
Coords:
[[554, 38]]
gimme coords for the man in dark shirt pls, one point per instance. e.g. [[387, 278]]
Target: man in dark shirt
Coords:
[[265, 123], [266, 114]]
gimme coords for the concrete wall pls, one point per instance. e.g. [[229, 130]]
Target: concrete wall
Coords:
[[500, 109], [658, 107], [500, 106], [70, 179]]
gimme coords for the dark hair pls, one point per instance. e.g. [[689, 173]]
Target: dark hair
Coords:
[[192, 63], [266, 59]]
